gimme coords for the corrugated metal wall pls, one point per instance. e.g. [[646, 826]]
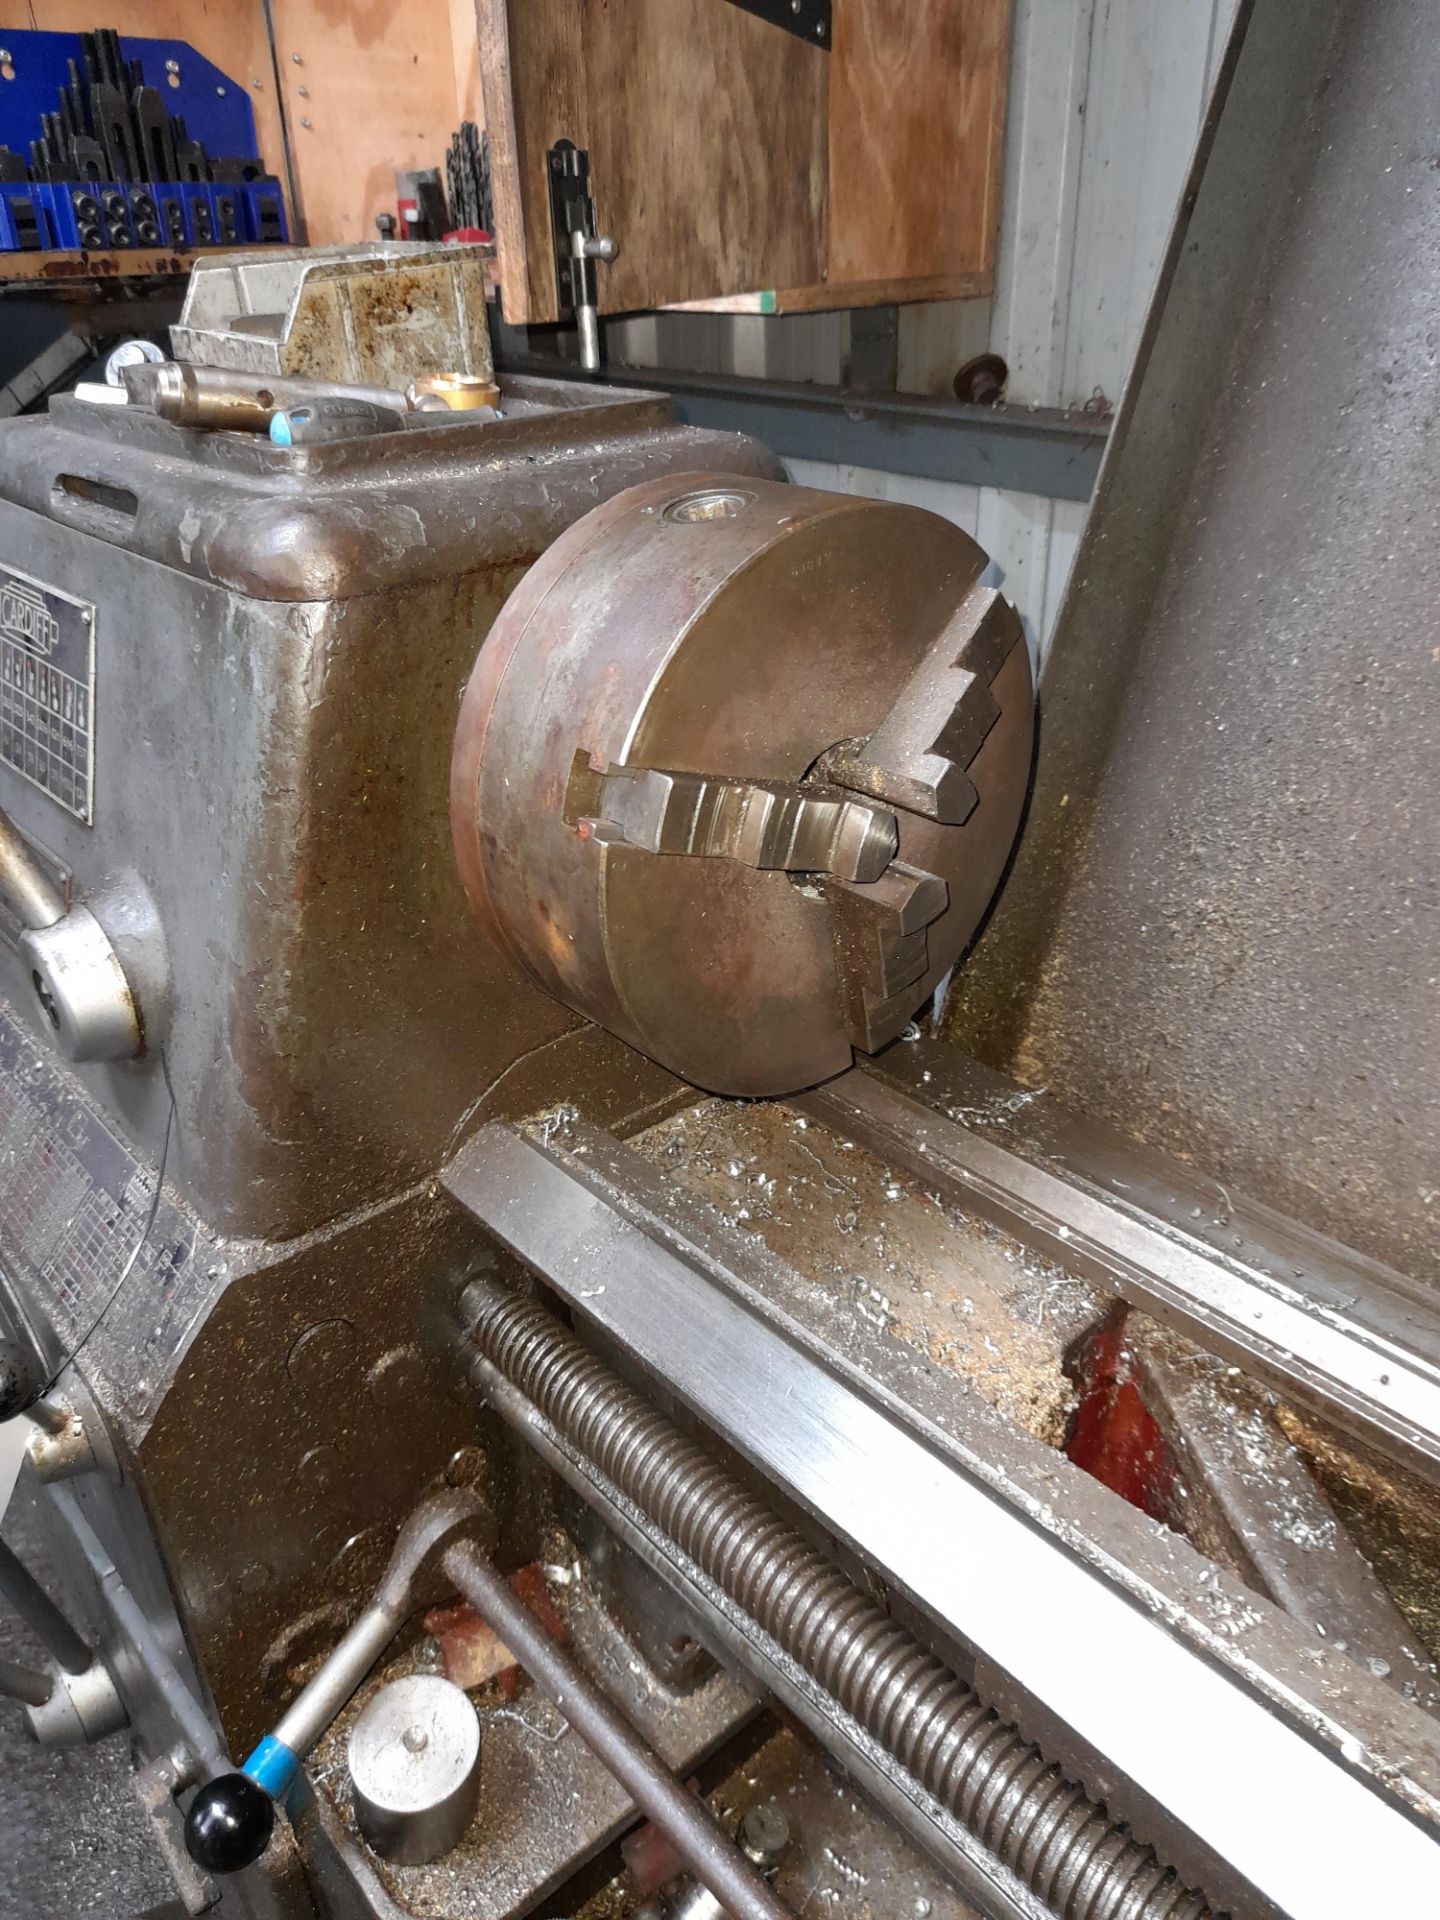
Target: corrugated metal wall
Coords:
[[1106, 99]]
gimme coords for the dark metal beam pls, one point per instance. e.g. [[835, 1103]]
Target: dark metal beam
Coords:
[[1020, 449]]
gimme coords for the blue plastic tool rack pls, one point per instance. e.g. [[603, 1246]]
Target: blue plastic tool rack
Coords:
[[183, 214]]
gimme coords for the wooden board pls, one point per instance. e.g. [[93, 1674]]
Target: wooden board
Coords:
[[706, 130], [830, 294], [231, 33], [465, 53], [379, 92], [383, 86], [90, 272], [916, 135], [917, 119]]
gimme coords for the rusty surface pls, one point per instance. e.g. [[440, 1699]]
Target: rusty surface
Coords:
[[379, 315], [964, 1300], [843, 1858], [718, 625]]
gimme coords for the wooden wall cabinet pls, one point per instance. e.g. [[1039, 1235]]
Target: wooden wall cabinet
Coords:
[[742, 168]]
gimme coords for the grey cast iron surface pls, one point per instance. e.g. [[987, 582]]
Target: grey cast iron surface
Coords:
[[74, 1844], [1221, 928]]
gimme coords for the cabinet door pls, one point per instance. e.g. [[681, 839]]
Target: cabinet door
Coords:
[[705, 127], [735, 161]]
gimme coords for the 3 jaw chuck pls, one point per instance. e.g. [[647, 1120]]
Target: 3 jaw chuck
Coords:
[[738, 770]]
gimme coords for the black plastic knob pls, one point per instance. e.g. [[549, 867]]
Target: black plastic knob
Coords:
[[21, 1383], [229, 1824]]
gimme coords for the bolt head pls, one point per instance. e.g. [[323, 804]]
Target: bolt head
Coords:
[[765, 1833]]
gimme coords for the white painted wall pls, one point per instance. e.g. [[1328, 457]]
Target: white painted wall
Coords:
[[1106, 99]]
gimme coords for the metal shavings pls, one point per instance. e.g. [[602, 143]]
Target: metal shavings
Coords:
[[557, 1124], [540, 1733]]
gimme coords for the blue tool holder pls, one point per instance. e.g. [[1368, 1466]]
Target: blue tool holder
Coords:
[[24, 218], [116, 215]]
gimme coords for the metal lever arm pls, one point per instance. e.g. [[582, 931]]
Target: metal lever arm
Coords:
[[76, 972], [655, 1790], [24, 1684], [231, 1818], [26, 891], [40, 1613]]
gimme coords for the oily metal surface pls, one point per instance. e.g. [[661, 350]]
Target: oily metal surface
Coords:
[[871, 1240], [700, 1309], [1392, 1515], [843, 1858], [742, 643], [1356, 1340], [265, 1394], [1223, 933]]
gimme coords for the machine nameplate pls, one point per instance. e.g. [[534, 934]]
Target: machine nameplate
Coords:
[[47, 690], [74, 1203]]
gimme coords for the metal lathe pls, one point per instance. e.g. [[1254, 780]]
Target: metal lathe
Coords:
[[665, 1251]]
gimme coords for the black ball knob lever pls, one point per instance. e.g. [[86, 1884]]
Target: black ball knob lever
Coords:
[[229, 1823]]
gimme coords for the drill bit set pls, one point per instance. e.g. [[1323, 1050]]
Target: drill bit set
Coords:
[[467, 182]]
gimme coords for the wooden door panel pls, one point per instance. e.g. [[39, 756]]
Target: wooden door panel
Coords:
[[917, 115], [707, 134]]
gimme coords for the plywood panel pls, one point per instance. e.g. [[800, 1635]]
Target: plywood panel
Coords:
[[917, 115], [465, 55], [231, 33], [706, 134], [917, 121], [377, 83], [829, 295]]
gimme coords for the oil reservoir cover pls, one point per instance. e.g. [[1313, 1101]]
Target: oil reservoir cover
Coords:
[[738, 769]]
